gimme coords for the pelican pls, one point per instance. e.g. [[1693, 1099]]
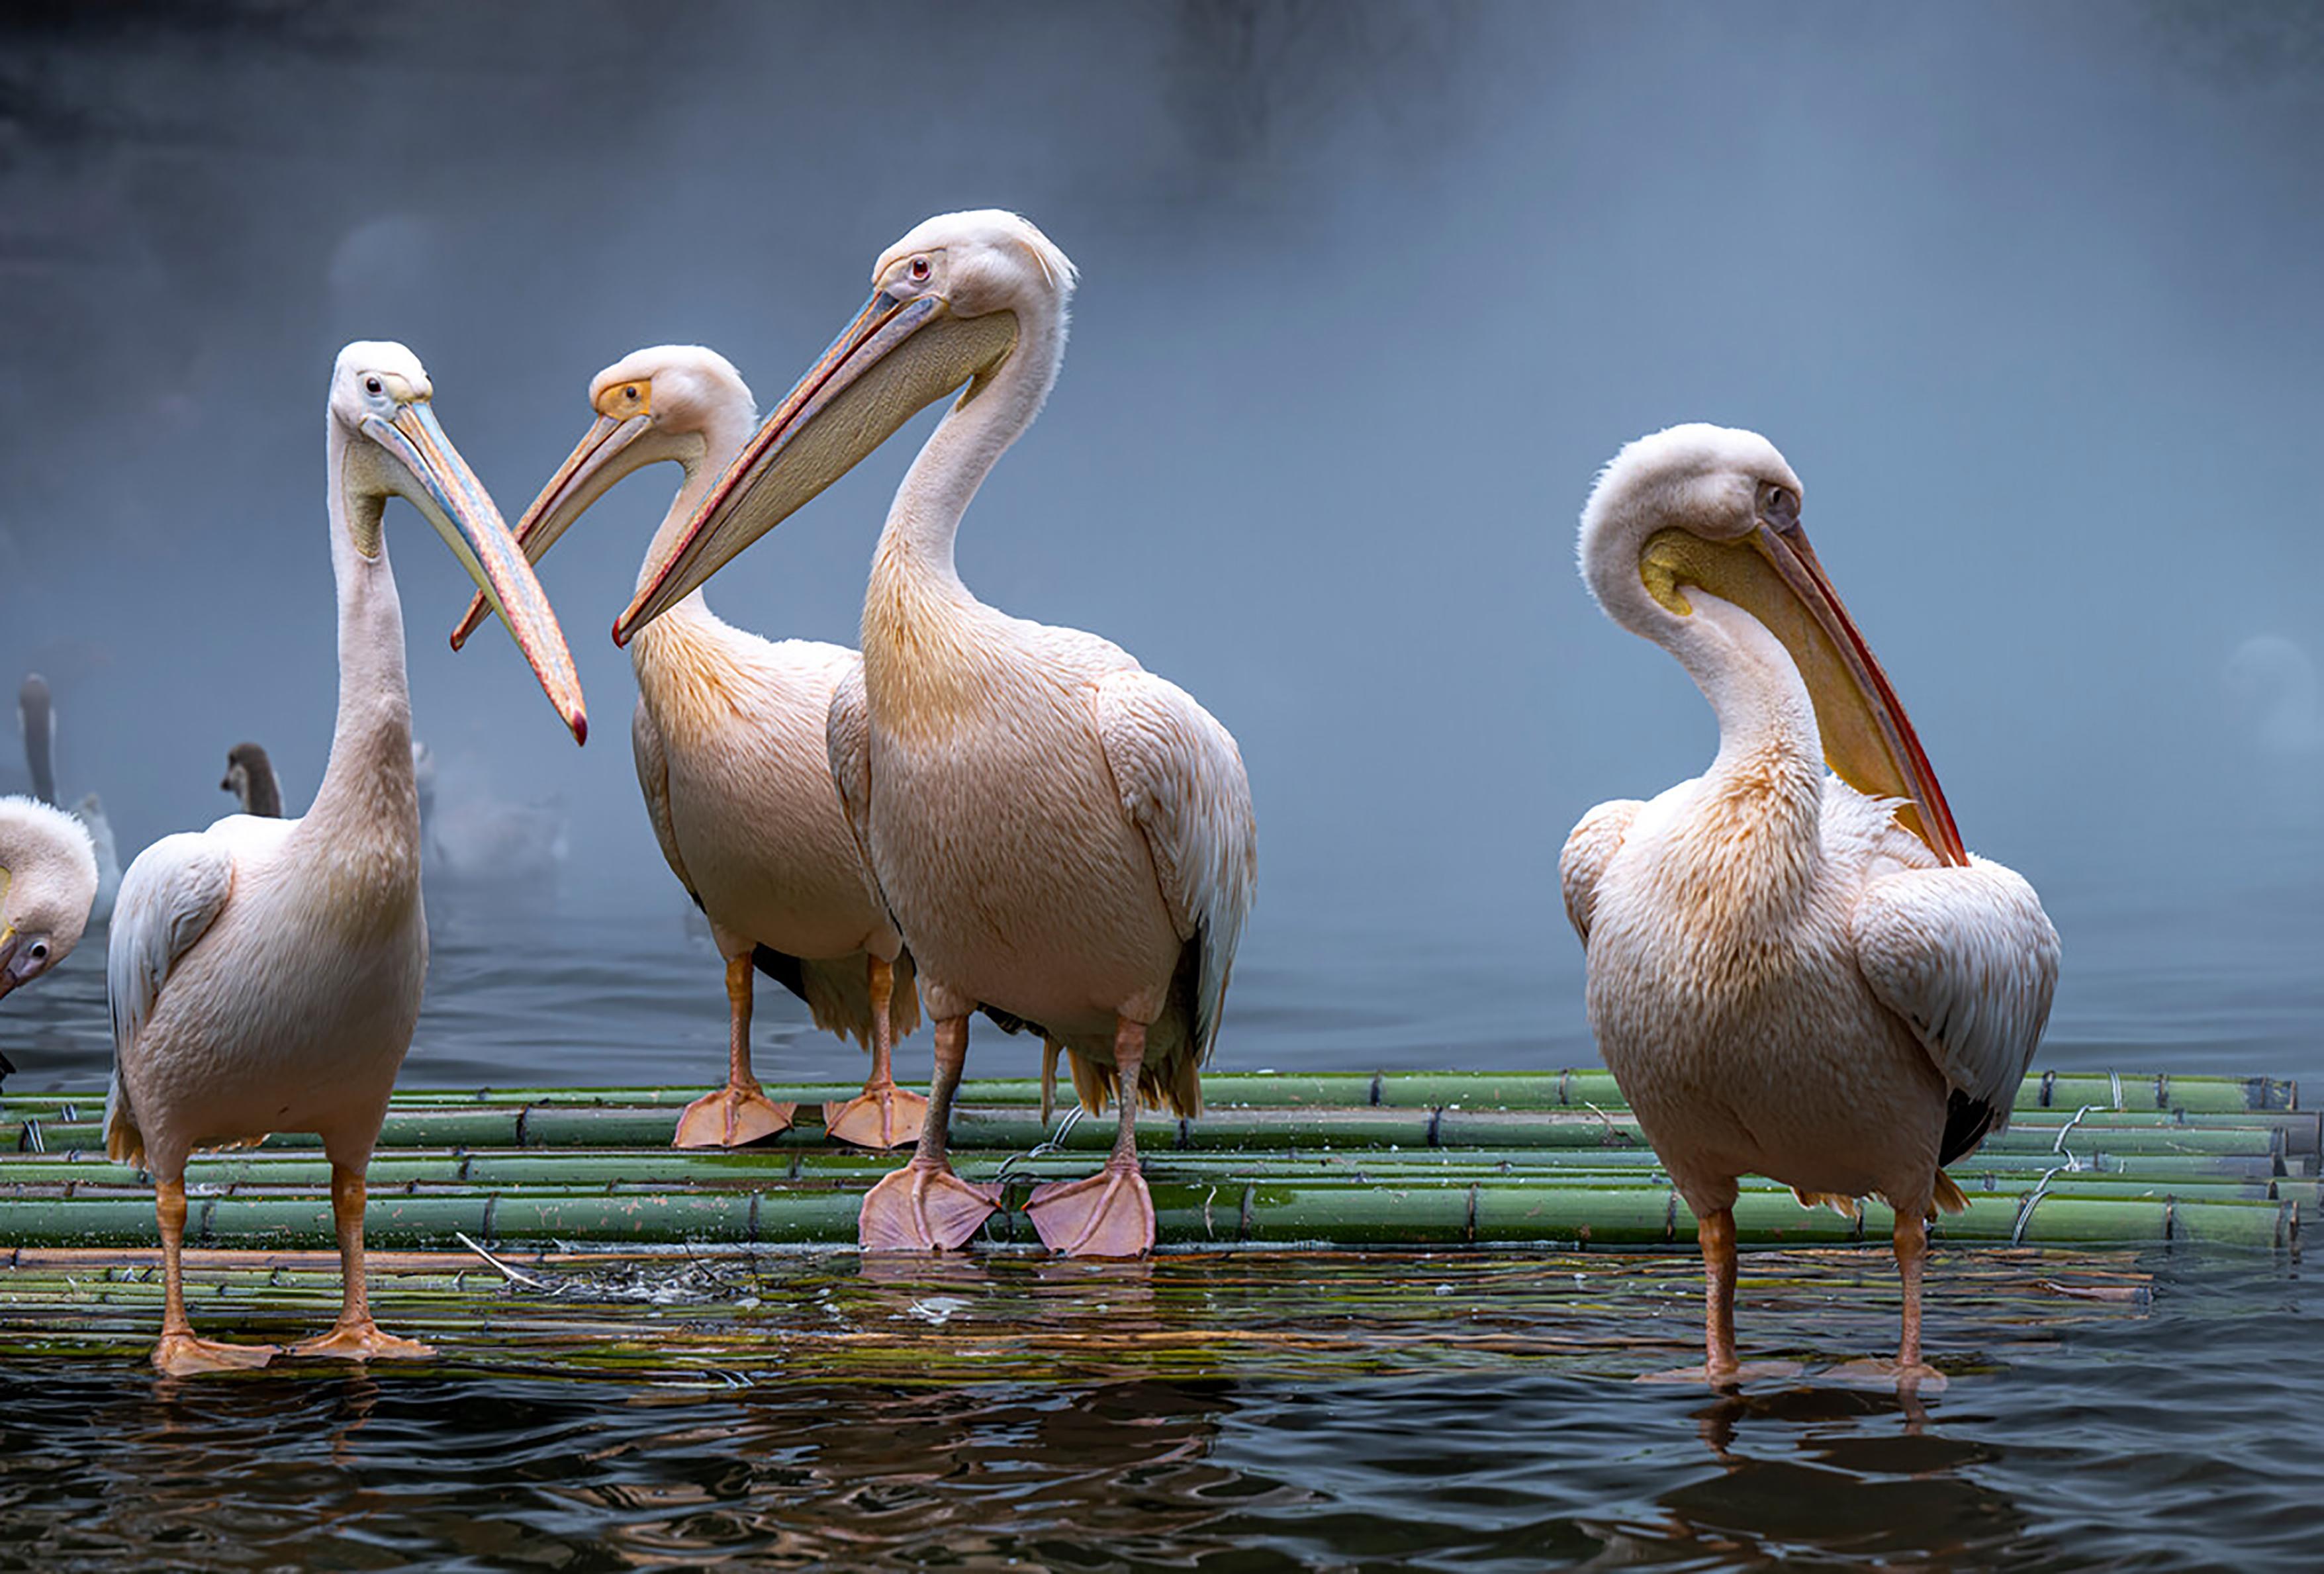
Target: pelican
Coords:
[[36, 719], [265, 973], [250, 777], [729, 730], [48, 878], [1066, 840], [1790, 974]]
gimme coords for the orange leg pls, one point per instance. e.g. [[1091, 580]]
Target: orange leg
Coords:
[[883, 1116], [1907, 1372], [1110, 1214], [180, 1354], [738, 1112], [924, 1206], [355, 1337], [1715, 1232]]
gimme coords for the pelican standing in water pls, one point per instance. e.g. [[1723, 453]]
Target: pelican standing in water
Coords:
[[1065, 839], [730, 732], [48, 878], [265, 974], [1791, 974]]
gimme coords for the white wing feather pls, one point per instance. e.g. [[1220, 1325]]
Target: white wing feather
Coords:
[[1181, 782], [1969, 959], [1588, 850], [653, 781], [847, 737], [170, 897]]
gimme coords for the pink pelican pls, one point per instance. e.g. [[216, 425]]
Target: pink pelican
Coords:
[[265, 973], [1066, 840], [48, 882], [731, 756], [1791, 974]]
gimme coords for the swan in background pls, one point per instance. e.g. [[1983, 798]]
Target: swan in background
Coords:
[[36, 719], [250, 777], [1790, 974], [731, 754], [265, 974], [484, 847], [1065, 839], [48, 878]]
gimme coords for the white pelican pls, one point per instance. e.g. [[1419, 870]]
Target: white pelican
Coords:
[[36, 719], [250, 777], [1791, 974], [731, 756], [265, 974], [1065, 839], [48, 878]]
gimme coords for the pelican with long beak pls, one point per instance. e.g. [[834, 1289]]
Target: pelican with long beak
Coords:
[[48, 879], [1066, 840], [1791, 974], [729, 732], [265, 974]]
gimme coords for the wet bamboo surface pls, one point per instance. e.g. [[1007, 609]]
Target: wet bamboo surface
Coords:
[[1386, 1161]]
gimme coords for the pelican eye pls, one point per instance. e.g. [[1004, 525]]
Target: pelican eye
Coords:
[[374, 385], [1779, 505], [631, 393], [39, 948], [919, 268]]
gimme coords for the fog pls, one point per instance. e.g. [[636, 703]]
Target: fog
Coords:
[[2028, 296]]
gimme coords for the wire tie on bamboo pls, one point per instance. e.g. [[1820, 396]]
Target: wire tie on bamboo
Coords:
[[1067, 1120], [2025, 1207], [2067, 1131], [29, 1140], [2049, 1082], [2116, 1078]]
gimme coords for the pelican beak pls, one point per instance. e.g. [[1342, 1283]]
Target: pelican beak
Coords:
[[9, 979], [892, 362], [1772, 573], [588, 474], [429, 472]]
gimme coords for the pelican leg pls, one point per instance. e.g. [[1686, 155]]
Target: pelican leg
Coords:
[[1907, 1372], [740, 1111], [180, 1354], [924, 1207], [356, 1337], [1048, 1080], [1110, 1214], [1714, 1230], [883, 1116]]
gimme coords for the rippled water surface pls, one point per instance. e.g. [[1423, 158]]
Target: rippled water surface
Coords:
[[1260, 1412]]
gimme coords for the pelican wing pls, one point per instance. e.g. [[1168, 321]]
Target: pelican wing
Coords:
[[847, 736], [1588, 850], [168, 899], [654, 780], [1968, 958], [1181, 780]]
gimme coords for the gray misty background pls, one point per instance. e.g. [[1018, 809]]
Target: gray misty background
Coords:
[[2029, 296]]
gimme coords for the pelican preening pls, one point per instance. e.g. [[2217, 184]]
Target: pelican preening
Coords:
[[1063, 837], [48, 878], [265, 973], [730, 735], [250, 777], [1795, 975]]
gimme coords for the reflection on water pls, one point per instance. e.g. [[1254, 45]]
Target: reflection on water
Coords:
[[2089, 1436]]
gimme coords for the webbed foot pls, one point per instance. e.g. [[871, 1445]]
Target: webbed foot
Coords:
[[1109, 1215], [731, 1116], [181, 1355], [885, 1117], [923, 1208]]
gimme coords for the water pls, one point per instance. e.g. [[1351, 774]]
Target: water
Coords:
[[1349, 1421]]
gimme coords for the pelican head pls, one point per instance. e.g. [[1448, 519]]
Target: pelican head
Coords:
[[392, 446], [951, 304], [48, 879], [669, 402], [1716, 511]]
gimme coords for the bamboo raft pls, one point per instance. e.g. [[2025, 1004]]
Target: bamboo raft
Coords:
[[1382, 1162]]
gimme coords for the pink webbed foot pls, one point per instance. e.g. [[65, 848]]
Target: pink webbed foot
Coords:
[[922, 1208], [362, 1341], [885, 1117], [1727, 1378], [1922, 1378], [1109, 1215], [731, 1116], [181, 1355]]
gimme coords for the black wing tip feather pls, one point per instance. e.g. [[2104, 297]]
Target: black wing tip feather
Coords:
[[785, 970], [1966, 1121]]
